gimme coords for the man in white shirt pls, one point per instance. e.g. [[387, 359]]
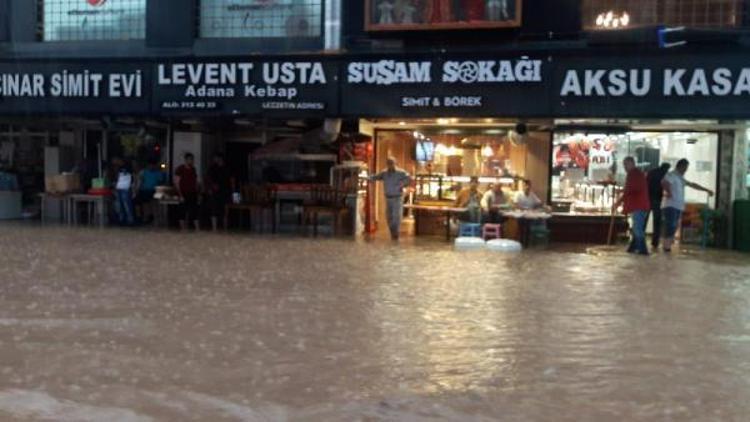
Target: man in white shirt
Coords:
[[394, 181], [124, 194], [673, 203], [526, 199]]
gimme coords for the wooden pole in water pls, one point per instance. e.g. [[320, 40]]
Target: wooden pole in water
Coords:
[[611, 227]]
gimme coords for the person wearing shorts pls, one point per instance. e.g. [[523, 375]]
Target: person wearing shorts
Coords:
[[673, 203]]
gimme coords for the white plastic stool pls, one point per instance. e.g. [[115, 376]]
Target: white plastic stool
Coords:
[[504, 245], [469, 243]]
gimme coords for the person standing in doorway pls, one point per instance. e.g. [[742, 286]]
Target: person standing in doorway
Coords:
[[636, 203], [186, 183], [124, 192], [218, 189], [394, 181], [655, 196], [673, 203]]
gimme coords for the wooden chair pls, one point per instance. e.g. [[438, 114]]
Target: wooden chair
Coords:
[[325, 200], [263, 200], [245, 206]]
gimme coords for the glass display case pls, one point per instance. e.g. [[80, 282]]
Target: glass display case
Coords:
[[439, 187], [587, 197]]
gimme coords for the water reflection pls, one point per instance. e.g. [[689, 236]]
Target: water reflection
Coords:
[[137, 325]]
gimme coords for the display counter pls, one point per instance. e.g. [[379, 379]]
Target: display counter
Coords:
[[591, 228]]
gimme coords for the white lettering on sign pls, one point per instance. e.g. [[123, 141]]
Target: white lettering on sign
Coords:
[[677, 82], [204, 73], [294, 73], [22, 85], [470, 72], [270, 92], [208, 74], [125, 85], [602, 83], [698, 82], [389, 72]]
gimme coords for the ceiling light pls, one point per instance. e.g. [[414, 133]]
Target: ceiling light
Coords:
[[443, 121]]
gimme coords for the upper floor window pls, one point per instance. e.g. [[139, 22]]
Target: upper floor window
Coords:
[[80, 20], [402, 15], [260, 18], [613, 14]]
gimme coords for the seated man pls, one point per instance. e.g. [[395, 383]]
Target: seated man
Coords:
[[491, 202], [527, 199], [471, 199]]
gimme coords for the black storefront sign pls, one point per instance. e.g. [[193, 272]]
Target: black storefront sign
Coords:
[[674, 86], [447, 86], [642, 86], [74, 88], [274, 88]]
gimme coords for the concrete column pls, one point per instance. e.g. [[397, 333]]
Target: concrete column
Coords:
[[332, 25], [22, 20]]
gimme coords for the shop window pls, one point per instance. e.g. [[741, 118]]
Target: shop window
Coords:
[[613, 14], [586, 166], [400, 15], [444, 160], [260, 18], [83, 20]]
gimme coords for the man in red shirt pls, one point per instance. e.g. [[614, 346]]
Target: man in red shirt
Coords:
[[636, 203], [186, 182]]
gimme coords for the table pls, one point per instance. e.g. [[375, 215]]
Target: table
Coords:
[[65, 202], [524, 218], [448, 211], [93, 202], [162, 211], [588, 228]]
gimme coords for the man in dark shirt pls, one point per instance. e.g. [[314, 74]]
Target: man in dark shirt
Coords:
[[655, 193], [218, 189], [186, 182]]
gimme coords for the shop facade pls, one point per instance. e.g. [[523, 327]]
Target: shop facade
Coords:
[[562, 121]]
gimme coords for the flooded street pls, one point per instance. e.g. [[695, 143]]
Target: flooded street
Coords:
[[142, 326]]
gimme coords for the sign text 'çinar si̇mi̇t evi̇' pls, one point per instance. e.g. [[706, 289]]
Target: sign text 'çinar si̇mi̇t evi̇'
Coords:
[[677, 82], [69, 84]]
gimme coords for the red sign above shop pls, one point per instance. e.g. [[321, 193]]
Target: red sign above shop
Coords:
[[410, 15]]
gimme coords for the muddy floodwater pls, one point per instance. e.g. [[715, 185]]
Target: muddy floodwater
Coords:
[[157, 326]]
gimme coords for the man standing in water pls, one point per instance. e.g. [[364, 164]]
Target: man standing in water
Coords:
[[674, 200], [394, 181], [655, 195], [186, 183], [636, 203]]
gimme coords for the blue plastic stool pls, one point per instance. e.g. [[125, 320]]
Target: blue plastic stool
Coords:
[[470, 230]]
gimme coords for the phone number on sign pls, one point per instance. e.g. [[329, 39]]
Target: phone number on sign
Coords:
[[189, 105]]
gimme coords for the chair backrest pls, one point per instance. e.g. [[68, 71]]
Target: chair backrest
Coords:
[[323, 195], [264, 195]]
